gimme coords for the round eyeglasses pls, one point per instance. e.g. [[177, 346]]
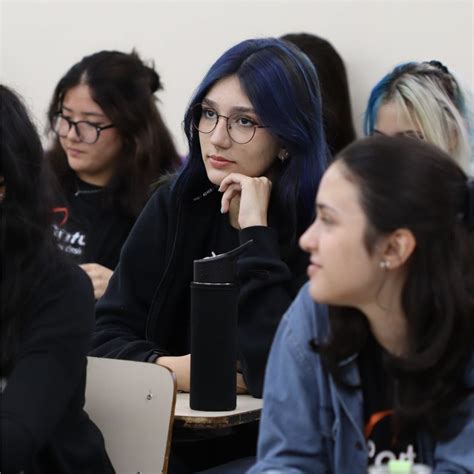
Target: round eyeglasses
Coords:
[[86, 132], [241, 128]]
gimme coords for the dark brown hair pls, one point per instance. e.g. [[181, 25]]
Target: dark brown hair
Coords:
[[336, 101], [407, 183], [123, 86]]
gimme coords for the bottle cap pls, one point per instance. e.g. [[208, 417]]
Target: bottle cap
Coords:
[[219, 268]]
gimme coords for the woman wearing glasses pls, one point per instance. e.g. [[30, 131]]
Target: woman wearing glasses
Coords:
[[256, 153], [424, 100], [111, 145]]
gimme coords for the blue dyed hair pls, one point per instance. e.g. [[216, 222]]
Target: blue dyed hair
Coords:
[[282, 85], [432, 98], [377, 96]]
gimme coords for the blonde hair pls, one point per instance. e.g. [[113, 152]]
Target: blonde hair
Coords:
[[430, 98]]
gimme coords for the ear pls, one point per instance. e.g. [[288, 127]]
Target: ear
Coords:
[[283, 154], [399, 246]]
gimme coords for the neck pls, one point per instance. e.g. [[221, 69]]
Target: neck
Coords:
[[101, 180], [386, 317], [391, 332]]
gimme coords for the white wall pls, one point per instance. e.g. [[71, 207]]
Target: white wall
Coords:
[[40, 40]]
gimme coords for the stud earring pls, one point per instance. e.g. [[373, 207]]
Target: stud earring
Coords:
[[283, 155], [384, 265]]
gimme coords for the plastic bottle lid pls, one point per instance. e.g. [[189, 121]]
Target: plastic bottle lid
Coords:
[[219, 268]]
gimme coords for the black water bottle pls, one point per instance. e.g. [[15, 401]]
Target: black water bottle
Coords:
[[214, 301]]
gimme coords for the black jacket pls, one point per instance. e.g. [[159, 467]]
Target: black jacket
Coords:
[[44, 428], [89, 229], [145, 311]]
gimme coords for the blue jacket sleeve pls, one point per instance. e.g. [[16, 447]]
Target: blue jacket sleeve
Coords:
[[291, 438], [456, 456]]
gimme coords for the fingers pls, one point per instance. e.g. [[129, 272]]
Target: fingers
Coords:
[[88, 267], [181, 366], [99, 276], [231, 191], [232, 178], [254, 196], [241, 385]]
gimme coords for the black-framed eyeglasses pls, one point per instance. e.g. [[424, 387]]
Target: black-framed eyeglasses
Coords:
[[240, 127], [86, 132]]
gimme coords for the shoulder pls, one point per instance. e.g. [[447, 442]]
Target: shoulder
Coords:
[[306, 316], [160, 205], [305, 320], [469, 372], [163, 194], [64, 292]]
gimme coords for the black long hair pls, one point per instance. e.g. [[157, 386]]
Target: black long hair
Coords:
[[336, 100], [124, 87], [25, 235], [407, 183]]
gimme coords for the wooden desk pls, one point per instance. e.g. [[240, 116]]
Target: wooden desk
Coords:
[[248, 409]]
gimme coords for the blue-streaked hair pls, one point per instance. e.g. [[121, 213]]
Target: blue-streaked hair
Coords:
[[431, 98], [282, 85]]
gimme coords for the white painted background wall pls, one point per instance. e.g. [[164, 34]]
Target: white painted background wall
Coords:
[[41, 39]]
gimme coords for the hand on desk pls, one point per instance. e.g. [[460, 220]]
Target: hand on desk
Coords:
[[181, 366], [99, 276], [241, 385]]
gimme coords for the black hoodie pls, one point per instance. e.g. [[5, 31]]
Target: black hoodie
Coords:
[[145, 311]]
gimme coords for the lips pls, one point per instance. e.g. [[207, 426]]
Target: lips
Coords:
[[313, 268], [74, 152], [217, 161]]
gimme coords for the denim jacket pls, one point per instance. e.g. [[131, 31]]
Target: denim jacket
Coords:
[[311, 425]]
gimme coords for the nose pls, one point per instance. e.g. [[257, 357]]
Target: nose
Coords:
[[309, 239], [220, 135], [72, 134]]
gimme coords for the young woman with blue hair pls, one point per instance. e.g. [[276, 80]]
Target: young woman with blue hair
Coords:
[[424, 100], [256, 154]]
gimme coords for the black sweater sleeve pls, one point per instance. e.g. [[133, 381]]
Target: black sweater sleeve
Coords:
[[268, 286], [123, 310], [50, 366]]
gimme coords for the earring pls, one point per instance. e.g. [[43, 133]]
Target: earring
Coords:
[[283, 155], [384, 265]]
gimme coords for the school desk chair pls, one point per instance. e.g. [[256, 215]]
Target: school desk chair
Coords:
[[133, 404]]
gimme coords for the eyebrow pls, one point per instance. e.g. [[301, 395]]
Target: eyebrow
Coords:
[[213, 104], [324, 207], [92, 114]]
